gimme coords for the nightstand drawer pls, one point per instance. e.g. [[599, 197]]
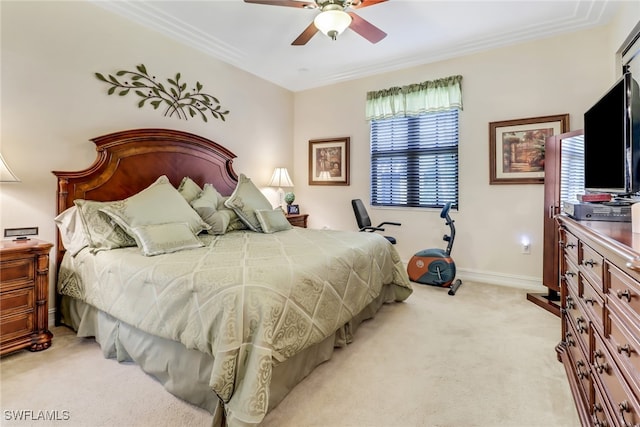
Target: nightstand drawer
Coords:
[[16, 301], [16, 326], [15, 272]]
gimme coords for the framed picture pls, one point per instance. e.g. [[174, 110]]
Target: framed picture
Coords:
[[293, 209], [516, 148], [329, 161]]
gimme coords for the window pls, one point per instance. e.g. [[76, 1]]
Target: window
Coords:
[[571, 168], [414, 160]]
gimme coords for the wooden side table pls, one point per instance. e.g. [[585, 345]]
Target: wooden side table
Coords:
[[298, 220], [24, 293]]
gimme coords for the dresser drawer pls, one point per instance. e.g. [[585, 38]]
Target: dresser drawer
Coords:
[[579, 361], [15, 272], [625, 291], [621, 400], [571, 274], [627, 346], [600, 415], [591, 265], [594, 305], [16, 326], [16, 301]]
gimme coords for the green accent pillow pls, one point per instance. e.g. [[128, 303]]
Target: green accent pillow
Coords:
[[234, 221], [273, 220], [159, 203], [159, 239], [102, 233], [189, 189], [245, 200]]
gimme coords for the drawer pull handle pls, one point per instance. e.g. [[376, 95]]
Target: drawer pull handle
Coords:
[[570, 303], [622, 408], [589, 263], [604, 367], [625, 349], [570, 274], [570, 245], [590, 301], [582, 375], [596, 421], [624, 294], [582, 328], [569, 339]]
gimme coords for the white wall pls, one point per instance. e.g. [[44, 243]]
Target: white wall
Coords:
[[564, 74], [52, 104]]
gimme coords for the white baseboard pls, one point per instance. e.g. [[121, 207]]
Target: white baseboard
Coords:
[[529, 283], [511, 280]]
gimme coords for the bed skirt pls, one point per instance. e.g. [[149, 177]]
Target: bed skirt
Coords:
[[185, 372]]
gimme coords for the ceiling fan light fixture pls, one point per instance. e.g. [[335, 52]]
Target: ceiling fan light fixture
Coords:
[[332, 22]]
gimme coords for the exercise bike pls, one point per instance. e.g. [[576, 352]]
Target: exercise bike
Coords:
[[435, 266]]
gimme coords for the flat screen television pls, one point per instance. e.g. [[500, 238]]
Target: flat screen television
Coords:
[[612, 140]]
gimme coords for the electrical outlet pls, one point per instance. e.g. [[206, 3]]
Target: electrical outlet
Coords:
[[526, 248]]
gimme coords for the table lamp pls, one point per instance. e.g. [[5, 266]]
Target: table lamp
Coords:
[[280, 178]]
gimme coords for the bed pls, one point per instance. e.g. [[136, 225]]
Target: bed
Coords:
[[230, 321]]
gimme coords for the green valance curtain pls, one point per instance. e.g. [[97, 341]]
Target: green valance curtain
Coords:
[[415, 99]]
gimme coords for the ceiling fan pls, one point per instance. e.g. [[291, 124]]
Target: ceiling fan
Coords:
[[333, 19]]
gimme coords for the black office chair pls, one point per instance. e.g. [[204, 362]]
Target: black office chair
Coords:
[[364, 222]]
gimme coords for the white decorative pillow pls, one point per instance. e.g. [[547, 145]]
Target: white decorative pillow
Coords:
[[245, 200], [273, 220], [189, 189], [159, 239], [159, 203], [71, 230], [101, 232]]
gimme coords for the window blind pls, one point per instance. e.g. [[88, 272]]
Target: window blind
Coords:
[[571, 168], [414, 160]]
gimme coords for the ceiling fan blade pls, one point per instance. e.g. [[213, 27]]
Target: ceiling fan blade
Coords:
[[306, 35], [288, 3], [366, 29], [365, 3]]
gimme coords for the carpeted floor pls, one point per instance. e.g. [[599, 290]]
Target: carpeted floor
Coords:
[[484, 357]]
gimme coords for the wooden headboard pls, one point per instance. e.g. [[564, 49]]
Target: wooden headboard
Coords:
[[131, 160]]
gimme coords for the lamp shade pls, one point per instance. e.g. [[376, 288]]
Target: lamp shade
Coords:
[[280, 178], [332, 22], [6, 175]]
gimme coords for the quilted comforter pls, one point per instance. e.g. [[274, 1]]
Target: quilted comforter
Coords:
[[245, 298]]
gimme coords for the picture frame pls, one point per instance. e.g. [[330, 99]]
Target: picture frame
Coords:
[[329, 161], [517, 148], [293, 209]]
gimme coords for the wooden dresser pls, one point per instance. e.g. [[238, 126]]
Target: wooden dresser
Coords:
[[24, 293], [600, 300]]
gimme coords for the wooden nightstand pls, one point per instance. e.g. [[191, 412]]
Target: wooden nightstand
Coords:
[[298, 220], [24, 293]]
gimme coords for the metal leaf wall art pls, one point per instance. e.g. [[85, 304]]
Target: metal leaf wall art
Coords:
[[174, 96]]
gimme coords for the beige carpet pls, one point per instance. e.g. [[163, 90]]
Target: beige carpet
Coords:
[[484, 357]]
